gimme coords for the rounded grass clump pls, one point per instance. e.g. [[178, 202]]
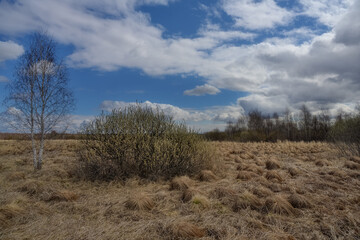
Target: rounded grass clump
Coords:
[[207, 176], [246, 200], [181, 183], [140, 141], [272, 164], [186, 230], [139, 201], [299, 201], [279, 205]]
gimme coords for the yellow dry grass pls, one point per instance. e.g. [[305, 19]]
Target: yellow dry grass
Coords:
[[278, 190]]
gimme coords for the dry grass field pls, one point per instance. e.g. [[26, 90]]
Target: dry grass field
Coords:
[[261, 191]]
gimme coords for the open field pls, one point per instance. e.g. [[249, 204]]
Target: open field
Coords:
[[262, 191]]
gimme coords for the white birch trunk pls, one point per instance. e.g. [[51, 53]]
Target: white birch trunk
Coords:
[[34, 151]]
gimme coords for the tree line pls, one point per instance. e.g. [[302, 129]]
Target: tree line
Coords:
[[303, 126]]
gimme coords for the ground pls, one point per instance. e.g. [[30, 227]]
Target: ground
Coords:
[[278, 190]]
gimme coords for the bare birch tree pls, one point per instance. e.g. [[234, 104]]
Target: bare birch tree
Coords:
[[38, 97]]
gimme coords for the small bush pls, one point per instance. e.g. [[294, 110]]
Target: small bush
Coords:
[[141, 142]]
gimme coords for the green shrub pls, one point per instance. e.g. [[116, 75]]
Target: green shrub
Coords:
[[141, 142]]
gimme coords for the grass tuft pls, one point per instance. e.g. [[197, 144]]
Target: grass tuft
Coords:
[[16, 176], [187, 230], [8, 212], [207, 176], [188, 194], [32, 187], [180, 183], [246, 175], [55, 195], [262, 192], [247, 200], [279, 205], [273, 175], [272, 164], [139, 201], [299, 201], [352, 165], [201, 200], [355, 159]]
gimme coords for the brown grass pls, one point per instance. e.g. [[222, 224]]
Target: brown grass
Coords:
[[279, 205], [246, 175], [8, 212], [15, 176], [251, 168], [188, 194], [187, 230], [262, 192], [223, 192], [355, 159], [322, 163], [56, 195], [201, 201], [274, 176], [293, 171], [352, 165], [139, 201], [180, 183], [32, 187], [298, 200], [272, 164], [207, 176], [247, 200]]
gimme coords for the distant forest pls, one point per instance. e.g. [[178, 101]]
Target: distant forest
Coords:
[[259, 127], [256, 127]]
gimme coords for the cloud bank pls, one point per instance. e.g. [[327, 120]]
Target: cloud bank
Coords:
[[295, 66], [216, 113]]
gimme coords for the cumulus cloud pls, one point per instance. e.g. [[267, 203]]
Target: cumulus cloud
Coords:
[[177, 113], [328, 12], [257, 14], [321, 69], [348, 29], [202, 90], [10, 50], [125, 39], [217, 113]]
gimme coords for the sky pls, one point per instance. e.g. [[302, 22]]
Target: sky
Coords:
[[205, 62]]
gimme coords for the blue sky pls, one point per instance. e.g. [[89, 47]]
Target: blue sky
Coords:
[[206, 62]]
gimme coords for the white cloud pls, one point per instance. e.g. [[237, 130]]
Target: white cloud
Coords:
[[217, 113], [10, 50], [4, 79], [328, 12], [348, 29], [265, 104], [252, 14], [178, 113], [214, 31], [202, 90], [321, 69]]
